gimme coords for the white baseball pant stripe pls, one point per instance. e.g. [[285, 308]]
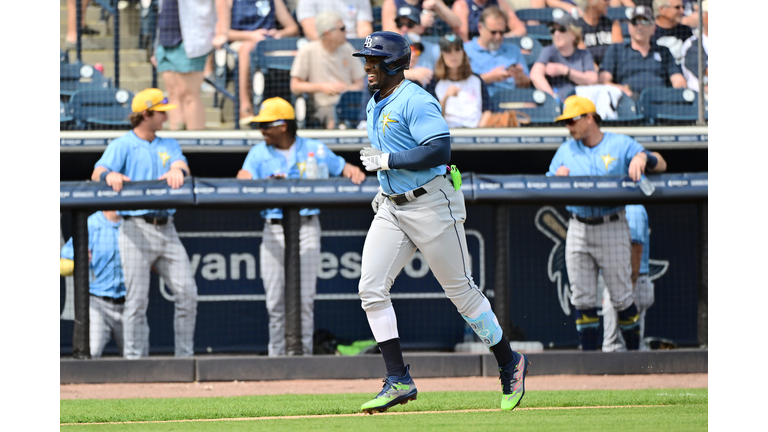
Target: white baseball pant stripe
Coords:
[[433, 223], [593, 248], [271, 259], [141, 246], [106, 322], [644, 297]]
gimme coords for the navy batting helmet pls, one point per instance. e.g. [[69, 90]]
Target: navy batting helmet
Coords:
[[393, 47]]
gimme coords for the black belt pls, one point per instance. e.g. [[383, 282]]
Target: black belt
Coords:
[[401, 199], [119, 300], [152, 220], [596, 220], [280, 221]]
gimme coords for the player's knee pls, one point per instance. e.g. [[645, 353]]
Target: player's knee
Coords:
[[628, 318], [486, 327]]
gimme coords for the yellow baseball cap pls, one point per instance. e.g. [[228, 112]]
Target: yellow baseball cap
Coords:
[[576, 106], [151, 98], [274, 109]]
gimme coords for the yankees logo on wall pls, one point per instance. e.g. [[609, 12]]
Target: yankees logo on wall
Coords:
[[549, 221]]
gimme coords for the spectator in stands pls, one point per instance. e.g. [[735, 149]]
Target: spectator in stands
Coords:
[[425, 54], [325, 68], [462, 94], [470, 12], [670, 32], [424, 9], [690, 63], [690, 9], [252, 22], [500, 65], [106, 287], [570, 6], [563, 65], [70, 41], [148, 237], [598, 31], [181, 60], [637, 64], [282, 155], [356, 14]]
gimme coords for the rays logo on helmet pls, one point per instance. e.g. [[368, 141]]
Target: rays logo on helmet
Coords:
[[368, 41]]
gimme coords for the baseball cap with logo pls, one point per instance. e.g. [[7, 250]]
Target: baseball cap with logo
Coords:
[[575, 106], [411, 13], [274, 109], [151, 98], [642, 12], [450, 40]]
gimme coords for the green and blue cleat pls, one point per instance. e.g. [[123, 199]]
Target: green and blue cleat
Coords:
[[513, 381], [396, 391]]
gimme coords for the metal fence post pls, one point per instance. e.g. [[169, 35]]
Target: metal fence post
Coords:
[[116, 18], [237, 91], [79, 18], [80, 336], [703, 260], [700, 47], [292, 268], [501, 286]]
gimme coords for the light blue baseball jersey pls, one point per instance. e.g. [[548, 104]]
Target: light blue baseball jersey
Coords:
[[610, 157], [106, 273], [263, 162], [141, 160], [408, 118], [637, 218]]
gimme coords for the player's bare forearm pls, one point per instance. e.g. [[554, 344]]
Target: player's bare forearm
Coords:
[[637, 256]]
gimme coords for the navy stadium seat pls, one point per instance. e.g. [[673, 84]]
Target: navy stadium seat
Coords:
[[543, 15], [376, 12], [529, 44], [540, 106], [619, 13], [65, 120], [101, 109], [270, 65], [348, 109], [79, 76], [63, 56], [664, 105], [539, 32], [627, 112]]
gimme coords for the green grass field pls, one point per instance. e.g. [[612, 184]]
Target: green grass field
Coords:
[[643, 410]]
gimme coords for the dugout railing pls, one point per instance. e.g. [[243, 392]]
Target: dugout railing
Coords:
[[497, 202]]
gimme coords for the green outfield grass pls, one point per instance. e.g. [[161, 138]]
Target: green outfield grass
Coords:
[[668, 409]]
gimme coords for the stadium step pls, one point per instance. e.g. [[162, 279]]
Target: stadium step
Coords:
[[102, 42], [108, 56], [130, 21], [129, 69]]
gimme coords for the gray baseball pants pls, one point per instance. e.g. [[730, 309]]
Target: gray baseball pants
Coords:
[[593, 248], [433, 223], [272, 259], [106, 322], [644, 297], [143, 245]]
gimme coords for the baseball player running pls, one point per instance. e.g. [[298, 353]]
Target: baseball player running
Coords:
[[598, 238], [637, 218], [417, 207], [148, 237], [106, 280]]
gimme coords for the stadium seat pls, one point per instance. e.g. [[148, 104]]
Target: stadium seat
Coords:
[[527, 44], [65, 120], [627, 111], [63, 56], [664, 105], [270, 65], [101, 109], [348, 109], [540, 106], [619, 13], [79, 76], [376, 11], [357, 43], [543, 15], [539, 32]]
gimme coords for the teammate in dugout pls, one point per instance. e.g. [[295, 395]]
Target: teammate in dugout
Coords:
[[282, 154], [106, 285], [417, 207], [598, 238], [148, 237]]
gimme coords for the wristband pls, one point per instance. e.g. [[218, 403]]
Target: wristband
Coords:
[[652, 160], [184, 172], [103, 175]]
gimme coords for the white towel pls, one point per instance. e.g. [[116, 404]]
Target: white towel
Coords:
[[605, 97]]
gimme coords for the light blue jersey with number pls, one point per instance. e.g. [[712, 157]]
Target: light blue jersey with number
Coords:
[[637, 218], [611, 157], [407, 118], [141, 160]]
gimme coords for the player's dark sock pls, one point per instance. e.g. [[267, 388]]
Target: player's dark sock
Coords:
[[587, 323], [630, 327], [503, 352], [393, 357]]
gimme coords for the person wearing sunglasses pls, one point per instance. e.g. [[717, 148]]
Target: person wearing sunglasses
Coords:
[[148, 238], [670, 32], [283, 154], [598, 237], [324, 69], [462, 94], [470, 11], [632, 66], [563, 65], [356, 14], [500, 65], [425, 11]]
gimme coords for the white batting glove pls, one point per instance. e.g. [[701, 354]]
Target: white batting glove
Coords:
[[373, 159], [378, 200]]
